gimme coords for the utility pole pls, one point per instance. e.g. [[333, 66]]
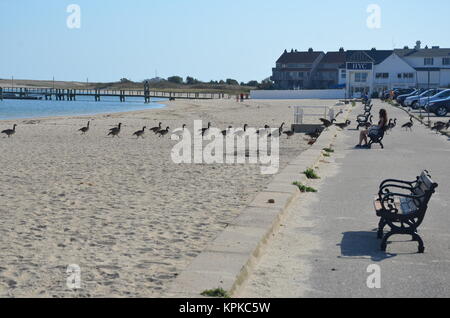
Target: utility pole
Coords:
[[429, 124]]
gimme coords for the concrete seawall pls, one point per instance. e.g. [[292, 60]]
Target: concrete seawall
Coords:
[[228, 260]]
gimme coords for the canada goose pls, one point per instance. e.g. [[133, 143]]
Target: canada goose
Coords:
[[289, 134], [163, 132], [279, 132], [178, 133], [84, 130], [439, 126], [227, 131], [392, 125], [326, 122], [409, 125], [339, 113], [314, 135], [115, 131], [265, 130], [203, 131], [140, 133], [344, 125], [156, 129], [114, 127], [241, 133], [10, 132]]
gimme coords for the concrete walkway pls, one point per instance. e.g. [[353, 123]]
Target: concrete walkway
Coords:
[[327, 242]]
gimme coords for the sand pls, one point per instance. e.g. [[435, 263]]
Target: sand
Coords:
[[120, 208]]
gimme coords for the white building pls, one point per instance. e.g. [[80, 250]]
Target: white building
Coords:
[[393, 72], [432, 65], [361, 70]]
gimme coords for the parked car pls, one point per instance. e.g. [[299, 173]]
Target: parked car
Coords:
[[441, 107], [412, 101], [397, 91], [401, 98], [441, 95], [403, 91]]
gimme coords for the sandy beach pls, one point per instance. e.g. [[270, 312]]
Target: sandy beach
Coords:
[[120, 208]]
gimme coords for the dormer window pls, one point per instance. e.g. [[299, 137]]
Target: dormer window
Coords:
[[428, 61], [446, 61]]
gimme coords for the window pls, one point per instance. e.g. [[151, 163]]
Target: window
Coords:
[[445, 94], [399, 75], [446, 61], [408, 75], [344, 74], [382, 75], [361, 77], [428, 61]]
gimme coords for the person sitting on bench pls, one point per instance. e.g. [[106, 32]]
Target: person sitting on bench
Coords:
[[375, 130]]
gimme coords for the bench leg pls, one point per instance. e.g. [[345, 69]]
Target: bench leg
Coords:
[[385, 241], [381, 227], [418, 239]]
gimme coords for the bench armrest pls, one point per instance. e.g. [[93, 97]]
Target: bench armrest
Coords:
[[386, 186], [397, 181]]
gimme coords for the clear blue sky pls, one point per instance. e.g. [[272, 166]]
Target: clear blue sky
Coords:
[[207, 39]]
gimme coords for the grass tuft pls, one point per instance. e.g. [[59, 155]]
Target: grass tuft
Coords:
[[311, 174], [304, 188], [329, 150], [218, 293]]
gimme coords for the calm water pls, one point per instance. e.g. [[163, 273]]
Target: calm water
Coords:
[[85, 105]]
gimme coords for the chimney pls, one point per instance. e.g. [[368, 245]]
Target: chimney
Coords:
[[341, 50], [418, 45], [406, 47], [310, 50], [374, 49], [435, 47]]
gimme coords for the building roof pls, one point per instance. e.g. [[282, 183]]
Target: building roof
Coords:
[[375, 56], [299, 57], [334, 58], [433, 52]]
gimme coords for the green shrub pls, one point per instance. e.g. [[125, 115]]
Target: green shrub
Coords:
[[329, 150]]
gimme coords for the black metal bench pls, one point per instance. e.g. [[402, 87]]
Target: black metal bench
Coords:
[[378, 139], [364, 120], [402, 206]]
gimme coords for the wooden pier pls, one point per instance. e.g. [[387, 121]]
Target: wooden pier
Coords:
[[98, 94]]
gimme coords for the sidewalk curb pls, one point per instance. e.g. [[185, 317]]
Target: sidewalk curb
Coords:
[[231, 257]]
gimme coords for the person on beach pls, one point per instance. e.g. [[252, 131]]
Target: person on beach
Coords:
[[375, 130]]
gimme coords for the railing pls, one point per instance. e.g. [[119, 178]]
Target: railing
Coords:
[[299, 113]]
